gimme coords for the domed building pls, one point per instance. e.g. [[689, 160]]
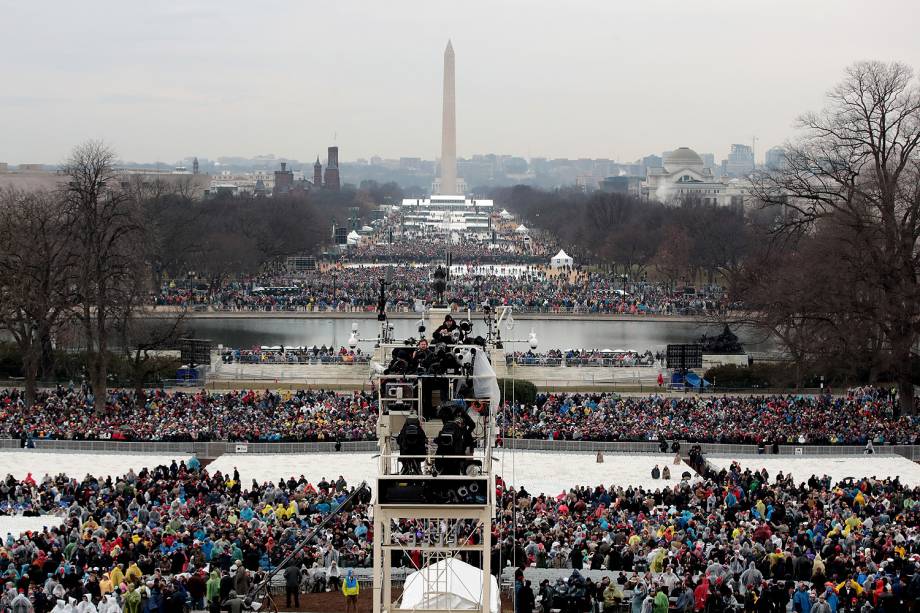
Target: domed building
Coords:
[[683, 174]]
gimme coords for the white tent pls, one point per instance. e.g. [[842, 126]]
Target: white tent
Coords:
[[353, 238], [522, 229], [561, 259], [447, 585], [505, 214]]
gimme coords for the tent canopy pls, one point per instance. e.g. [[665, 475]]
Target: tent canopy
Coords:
[[353, 238], [561, 259], [522, 229], [448, 584]]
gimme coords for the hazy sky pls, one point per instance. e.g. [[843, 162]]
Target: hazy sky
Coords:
[[606, 78]]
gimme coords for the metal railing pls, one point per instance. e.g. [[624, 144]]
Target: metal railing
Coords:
[[203, 449], [213, 449], [911, 452]]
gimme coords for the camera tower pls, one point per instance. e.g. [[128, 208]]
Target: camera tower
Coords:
[[437, 521]]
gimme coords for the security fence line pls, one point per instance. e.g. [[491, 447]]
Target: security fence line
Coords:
[[213, 449]]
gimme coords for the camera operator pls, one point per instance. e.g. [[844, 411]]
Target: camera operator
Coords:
[[446, 332], [454, 439], [412, 442], [420, 355]]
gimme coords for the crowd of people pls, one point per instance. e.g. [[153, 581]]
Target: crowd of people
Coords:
[[736, 540], [859, 417], [856, 418], [295, 355], [426, 249], [537, 289], [304, 415], [175, 538], [583, 357], [171, 536]]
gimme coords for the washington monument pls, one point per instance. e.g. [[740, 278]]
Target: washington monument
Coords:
[[449, 128]]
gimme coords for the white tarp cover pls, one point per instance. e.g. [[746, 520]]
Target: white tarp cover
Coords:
[[485, 383], [562, 259], [522, 229], [448, 584], [353, 238]]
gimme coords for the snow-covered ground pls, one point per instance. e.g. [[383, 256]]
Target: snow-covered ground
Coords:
[[837, 467], [20, 462], [17, 524], [355, 467], [550, 473]]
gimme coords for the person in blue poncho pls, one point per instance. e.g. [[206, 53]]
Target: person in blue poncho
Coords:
[[350, 590]]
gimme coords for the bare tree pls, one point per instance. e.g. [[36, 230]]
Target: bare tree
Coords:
[[143, 339], [37, 268], [855, 173], [107, 237]]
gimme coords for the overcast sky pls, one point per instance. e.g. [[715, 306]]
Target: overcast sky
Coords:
[[615, 79]]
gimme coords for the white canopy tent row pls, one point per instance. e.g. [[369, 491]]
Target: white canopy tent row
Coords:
[[561, 260]]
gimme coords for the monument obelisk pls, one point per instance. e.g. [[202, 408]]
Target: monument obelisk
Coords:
[[449, 128]]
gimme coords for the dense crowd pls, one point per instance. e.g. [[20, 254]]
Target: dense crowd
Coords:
[[305, 415], [174, 536], [427, 249], [738, 540], [162, 538], [526, 288], [583, 357], [295, 355], [858, 417], [855, 418]]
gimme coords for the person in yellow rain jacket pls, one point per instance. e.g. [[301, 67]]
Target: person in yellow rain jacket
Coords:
[[134, 574], [117, 575], [350, 590]]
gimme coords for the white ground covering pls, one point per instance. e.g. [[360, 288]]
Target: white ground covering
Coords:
[[17, 524], [550, 473], [837, 467], [355, 467], [77, 465]]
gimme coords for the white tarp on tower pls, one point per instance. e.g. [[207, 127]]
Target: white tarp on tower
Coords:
[[485, 382], [448, 585]]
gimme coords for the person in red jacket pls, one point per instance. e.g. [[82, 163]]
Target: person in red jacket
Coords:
[[700, 594]]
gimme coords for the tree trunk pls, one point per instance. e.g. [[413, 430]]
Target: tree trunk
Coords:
[[30, 361], [905, 395], [46, 362], [901, 358], [138, 376], [97, 380]]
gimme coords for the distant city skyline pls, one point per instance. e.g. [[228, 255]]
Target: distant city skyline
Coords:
[[166, 81]]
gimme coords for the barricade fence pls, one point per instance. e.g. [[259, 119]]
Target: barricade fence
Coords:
[[213, 449], [911, 452]]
